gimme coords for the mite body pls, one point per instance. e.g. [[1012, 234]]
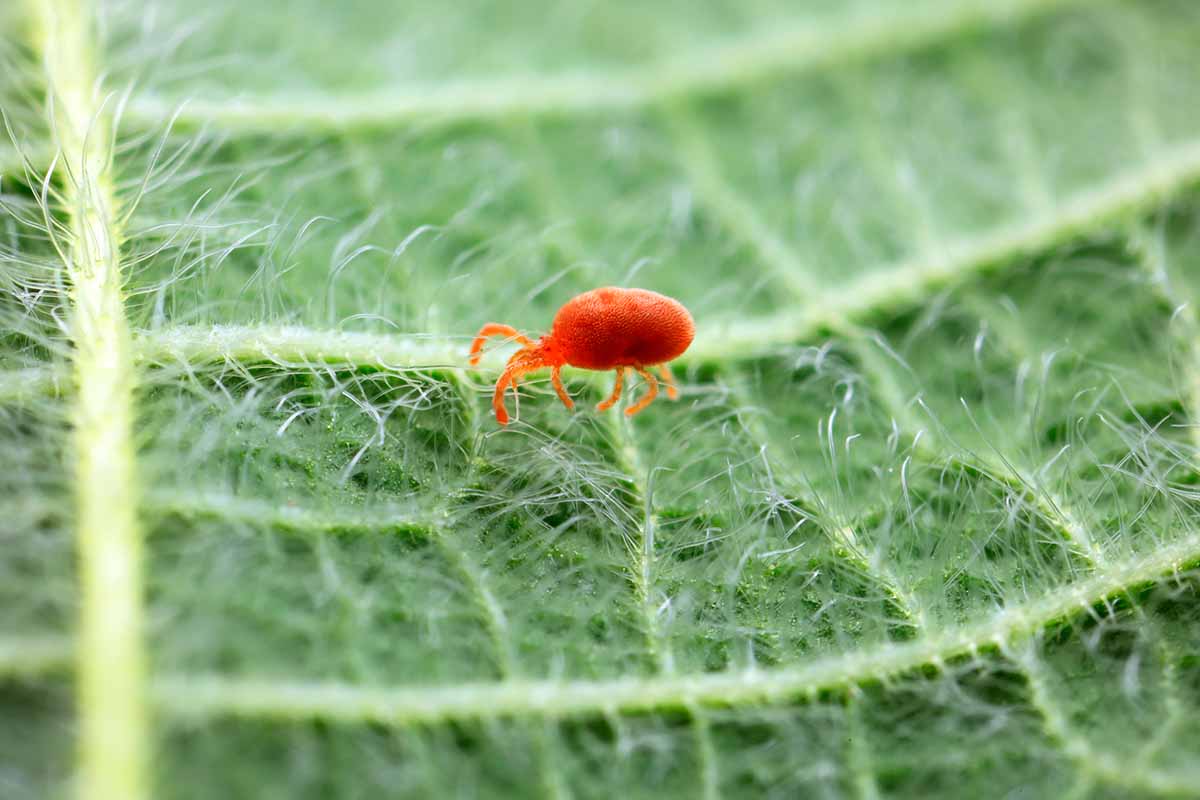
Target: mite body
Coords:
[[609, 328]]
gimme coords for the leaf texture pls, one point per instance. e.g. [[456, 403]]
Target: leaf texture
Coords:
[[923, 523]]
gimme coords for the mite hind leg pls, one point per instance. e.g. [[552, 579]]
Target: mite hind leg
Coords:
[[668, 380], [651, 392], [605, 405]]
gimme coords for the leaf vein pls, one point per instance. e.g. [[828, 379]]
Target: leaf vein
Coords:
[[755, 58], [201, 696]]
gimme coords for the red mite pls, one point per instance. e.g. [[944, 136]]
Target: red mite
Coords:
[[607, 328]]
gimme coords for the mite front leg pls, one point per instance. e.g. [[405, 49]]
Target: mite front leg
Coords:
[[495, 329]]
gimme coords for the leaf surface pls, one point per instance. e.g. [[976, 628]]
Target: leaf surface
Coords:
[[923, 522]]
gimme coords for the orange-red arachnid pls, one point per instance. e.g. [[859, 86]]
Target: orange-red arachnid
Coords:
[[608, 328]]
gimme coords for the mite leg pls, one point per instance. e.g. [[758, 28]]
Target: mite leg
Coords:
[[498, 398], [605, 405], [669, 381], [495, 329], [651, 393], [556, 379], [517, 366]]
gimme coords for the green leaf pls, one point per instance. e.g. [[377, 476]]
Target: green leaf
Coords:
[[923, 521]]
